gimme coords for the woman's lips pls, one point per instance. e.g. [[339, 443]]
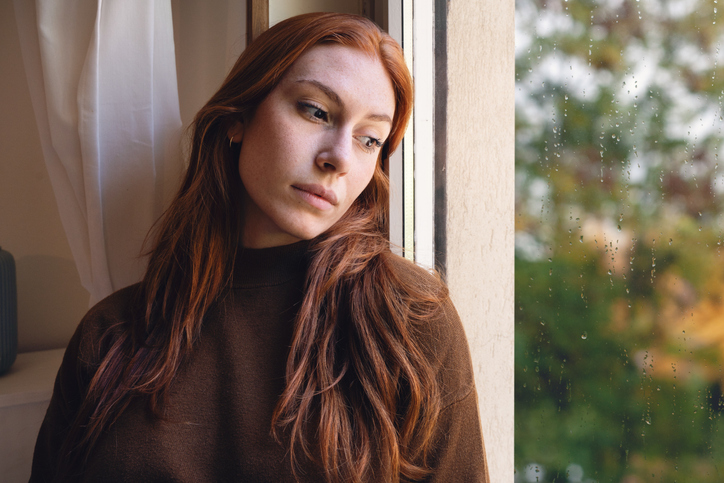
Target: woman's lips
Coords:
[[317, 195]]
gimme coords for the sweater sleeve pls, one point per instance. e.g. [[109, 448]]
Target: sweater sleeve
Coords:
[[67, 396], [458, 452], [82, 357], [459, 455]]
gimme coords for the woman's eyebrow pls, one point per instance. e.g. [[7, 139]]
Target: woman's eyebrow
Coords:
[[324, 88], [334, 97]]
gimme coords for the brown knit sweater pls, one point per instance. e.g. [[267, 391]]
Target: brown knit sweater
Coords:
[[221, 401]]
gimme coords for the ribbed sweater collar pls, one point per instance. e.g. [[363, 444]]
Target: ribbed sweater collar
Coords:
[[270, 266]]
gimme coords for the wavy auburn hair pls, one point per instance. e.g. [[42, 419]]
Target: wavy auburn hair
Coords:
[[361, 399]]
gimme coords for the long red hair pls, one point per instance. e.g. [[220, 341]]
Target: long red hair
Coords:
[[360, 395]]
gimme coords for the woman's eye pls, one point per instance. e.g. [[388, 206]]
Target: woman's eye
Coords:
[[370, 143], [314, 113]]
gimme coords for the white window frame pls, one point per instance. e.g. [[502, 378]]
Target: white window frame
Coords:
[[412, 168]]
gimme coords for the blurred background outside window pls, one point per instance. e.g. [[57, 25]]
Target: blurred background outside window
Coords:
[[619, 301]]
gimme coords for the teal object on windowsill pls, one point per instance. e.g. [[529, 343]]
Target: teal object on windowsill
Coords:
[[8, 312]]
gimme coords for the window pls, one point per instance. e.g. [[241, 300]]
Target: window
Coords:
[[619, 271], [412, 170]]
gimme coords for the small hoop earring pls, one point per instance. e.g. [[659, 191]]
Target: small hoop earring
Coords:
[[231, 141]]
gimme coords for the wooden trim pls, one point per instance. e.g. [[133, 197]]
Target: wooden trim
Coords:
[[257, 18], [367, 8]]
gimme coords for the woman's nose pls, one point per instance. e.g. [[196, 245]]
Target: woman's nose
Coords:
[[335, 154]]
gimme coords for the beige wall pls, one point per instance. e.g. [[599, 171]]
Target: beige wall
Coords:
[[281, 9], [480, 173], [208, 36], [51, 300]]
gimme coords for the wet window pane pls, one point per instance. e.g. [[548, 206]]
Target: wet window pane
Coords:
[[619, 229]]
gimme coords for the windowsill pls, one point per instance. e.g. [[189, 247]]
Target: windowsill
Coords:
[[30, 379]]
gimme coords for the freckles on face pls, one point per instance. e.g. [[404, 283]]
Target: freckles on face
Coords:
[[312, 144]]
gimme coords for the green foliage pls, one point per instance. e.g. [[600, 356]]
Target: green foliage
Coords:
[[619, 275]]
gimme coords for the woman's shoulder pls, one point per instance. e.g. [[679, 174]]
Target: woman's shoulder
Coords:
[[422, 288], [439, 330], [105, 321], [409, 271], [121, 304]]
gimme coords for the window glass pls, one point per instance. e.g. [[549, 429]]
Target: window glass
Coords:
[[619, 229]]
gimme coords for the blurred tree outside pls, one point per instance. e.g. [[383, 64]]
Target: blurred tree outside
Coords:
[[619, 342]]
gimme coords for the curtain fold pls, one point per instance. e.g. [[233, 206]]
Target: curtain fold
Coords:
[[102, 78]]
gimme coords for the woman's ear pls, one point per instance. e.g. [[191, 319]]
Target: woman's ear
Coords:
[[236, 132]]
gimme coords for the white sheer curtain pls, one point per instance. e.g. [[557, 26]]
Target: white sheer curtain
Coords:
[[102, 77]]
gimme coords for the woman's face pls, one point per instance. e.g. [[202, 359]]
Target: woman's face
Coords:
[[312, 145]]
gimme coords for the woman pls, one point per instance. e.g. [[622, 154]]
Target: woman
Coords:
[[274, 336]]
